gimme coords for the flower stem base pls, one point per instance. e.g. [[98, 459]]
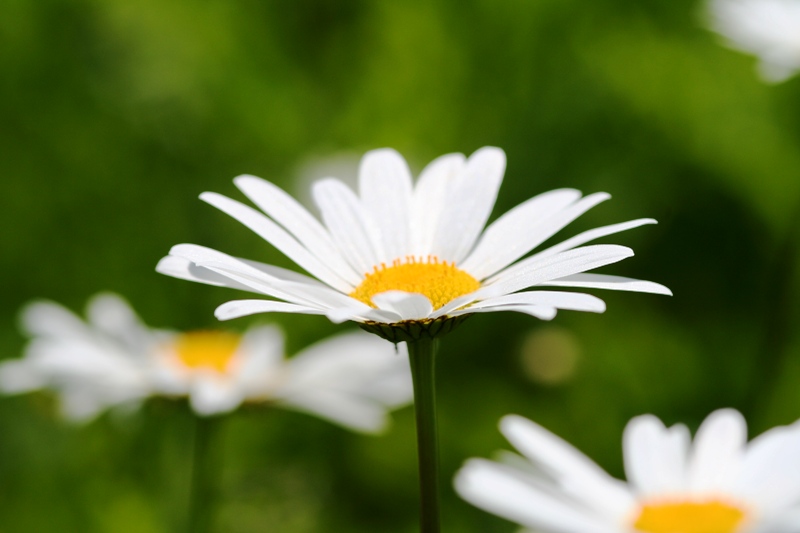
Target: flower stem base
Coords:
[[422, 353], [413, 330]]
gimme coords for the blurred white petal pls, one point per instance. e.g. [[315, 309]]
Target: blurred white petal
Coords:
[[767, 29], [674, 484]]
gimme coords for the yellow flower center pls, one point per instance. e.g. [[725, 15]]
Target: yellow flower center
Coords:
[[208, 350], [690, 516], [439, 281]]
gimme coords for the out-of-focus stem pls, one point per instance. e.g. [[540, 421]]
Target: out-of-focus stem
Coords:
[[205, 468]]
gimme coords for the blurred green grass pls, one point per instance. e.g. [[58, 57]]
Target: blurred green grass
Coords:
[[114, 116]]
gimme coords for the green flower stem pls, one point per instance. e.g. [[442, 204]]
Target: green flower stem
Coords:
[[205, 470], [779, 299], [422, 353]]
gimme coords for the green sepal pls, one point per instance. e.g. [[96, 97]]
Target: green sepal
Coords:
[[413, 330]]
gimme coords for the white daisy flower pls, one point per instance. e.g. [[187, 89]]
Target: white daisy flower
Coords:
[[719, 483], [768, 29], [114, 359], [399, 253]]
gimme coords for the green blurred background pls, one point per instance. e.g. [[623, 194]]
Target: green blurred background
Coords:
[[115, 115]]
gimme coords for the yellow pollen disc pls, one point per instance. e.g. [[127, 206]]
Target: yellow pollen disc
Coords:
[[441, 282], [210, 350], [690, 516]]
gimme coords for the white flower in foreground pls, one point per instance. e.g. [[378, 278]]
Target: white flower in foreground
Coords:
[[114, 359], [402, 252], [719, 483], [768, 29]]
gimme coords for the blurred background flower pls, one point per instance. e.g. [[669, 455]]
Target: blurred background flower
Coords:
[[115, 115], [764, 28], [715, 482], [104, 362], [114, 359]]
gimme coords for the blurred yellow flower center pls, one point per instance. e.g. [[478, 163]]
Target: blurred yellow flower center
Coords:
[[208, 350], [698, 516], [439, 281]]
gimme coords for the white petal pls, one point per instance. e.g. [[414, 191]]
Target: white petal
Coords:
[[776, 72], [560, 300], [457, 303], [230, 268], [351, 227], [676, 455], [357, 365], [770, 475], [350, 412], [240, 308], [283, 274], [547, 229], [717, 453], [765, 28], [603, 281], [278, 237], [287, 212], [322, 298], [182, 268], [577, 475], [80, 403], [563, 264], [211, 395], [516, 232], [168, 378], [550, 452], [260, 356], [550, 300], [18, 376], [381, 373], [215, 268], [539, 311], [655, 457], [787, 521], [592, 234], [49, 319], [75, 359], [242, 272], [345, 379], [409, 306], [384, 182], [496, 488], [80, 407], [345, 362], [109, 313], [431, 194], [469, 204], [641, 444]]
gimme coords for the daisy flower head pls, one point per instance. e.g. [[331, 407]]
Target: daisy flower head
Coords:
[[113, 359], [767, 29], [406, 259], [717, 483]]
